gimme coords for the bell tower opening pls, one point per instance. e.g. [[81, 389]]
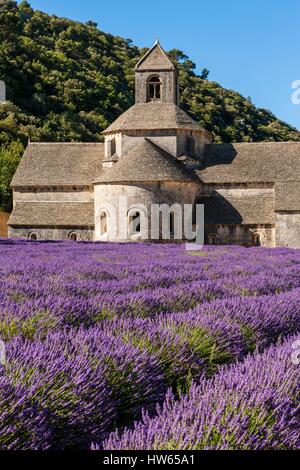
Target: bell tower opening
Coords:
[[154, 89]]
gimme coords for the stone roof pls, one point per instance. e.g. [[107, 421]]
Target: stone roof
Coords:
[[55, 164], [287, 196], [244, 210], [63, 214], [155, 59], [251, 162], [146, 162], [153, 115]]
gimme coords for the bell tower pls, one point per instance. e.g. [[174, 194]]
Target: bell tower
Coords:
[[155, 115], [156, 78]]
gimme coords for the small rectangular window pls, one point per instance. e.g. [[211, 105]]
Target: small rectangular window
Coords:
[[111, 147]]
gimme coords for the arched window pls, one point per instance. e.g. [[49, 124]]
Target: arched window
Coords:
[[256, 239], [154, 89], [213, 240], [103, 223], [135, 223], [32, 236], [73, 236]]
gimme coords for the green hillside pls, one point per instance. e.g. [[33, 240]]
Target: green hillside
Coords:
[[67, 81]]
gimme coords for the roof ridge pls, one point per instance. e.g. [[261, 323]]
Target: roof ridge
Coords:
[[159, 149], [257, 143], [65, 143]]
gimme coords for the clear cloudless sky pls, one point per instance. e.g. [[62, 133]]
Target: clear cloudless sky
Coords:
[[251, 46]]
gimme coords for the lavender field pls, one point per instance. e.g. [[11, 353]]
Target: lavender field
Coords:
[[136, 346]]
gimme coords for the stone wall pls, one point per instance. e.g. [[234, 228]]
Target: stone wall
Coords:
[[253, 204], [57, 194], [174, 142], [167, 140], [52, 233], [287, 229], [238, 189], [54, 194], [244, 235], [107, 199]]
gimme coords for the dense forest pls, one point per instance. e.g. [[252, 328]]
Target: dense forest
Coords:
[[67, 81]]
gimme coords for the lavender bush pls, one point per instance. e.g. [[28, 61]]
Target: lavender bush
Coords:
[[85, 381], [23, 423]]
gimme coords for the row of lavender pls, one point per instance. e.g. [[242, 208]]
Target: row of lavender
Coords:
[[68, 388], [253, 405]]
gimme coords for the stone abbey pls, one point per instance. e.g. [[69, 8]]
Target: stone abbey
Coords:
[[154, 153]]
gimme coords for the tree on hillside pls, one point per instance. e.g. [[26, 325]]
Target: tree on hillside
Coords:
[[10, 155]]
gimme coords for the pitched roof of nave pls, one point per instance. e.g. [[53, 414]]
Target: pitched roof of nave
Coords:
[[42, 213], [59, 164], [256, 162]]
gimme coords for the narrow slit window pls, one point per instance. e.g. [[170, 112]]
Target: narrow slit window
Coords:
[[172, 224], [257, 241], [103, 223], [113, 147], [213, 240], [190, 146]]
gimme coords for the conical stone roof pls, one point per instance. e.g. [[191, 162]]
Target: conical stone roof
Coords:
[[146, 162]]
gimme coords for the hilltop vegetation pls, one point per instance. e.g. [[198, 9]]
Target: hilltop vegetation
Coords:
[[67, 81]]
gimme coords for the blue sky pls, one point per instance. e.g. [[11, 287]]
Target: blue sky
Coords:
[[251, 46]]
